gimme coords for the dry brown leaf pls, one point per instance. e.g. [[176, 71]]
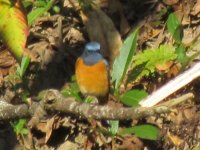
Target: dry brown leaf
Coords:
[[44, 50], [88, 144], [196, 8], [169, 67], [130, 143], [101, 28], [1, 79], [48, 127], [155, 32], [41, 127], [164, 67], [6, 59], [74, 36], [160, 38], [175, 139], [6, 62], [174, 70]]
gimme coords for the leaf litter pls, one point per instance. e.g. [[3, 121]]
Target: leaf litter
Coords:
[[179, 129]]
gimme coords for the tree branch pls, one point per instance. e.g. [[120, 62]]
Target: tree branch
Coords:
[[9, 112], [52, 100]]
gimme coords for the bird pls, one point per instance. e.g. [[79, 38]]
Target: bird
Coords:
[[92, 73]]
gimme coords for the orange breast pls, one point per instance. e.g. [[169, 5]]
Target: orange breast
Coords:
[[92, 80]]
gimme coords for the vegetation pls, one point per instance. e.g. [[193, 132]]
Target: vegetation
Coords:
[[46, 61]]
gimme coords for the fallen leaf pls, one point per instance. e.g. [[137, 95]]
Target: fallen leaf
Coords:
[[48, 126], [130, 143], [6, 59], [174, 70], [196, 8], [175, 139], [74, 36], [68, 145], [164, 67]]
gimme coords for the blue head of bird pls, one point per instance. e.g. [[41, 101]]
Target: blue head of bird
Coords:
[[91, 54]]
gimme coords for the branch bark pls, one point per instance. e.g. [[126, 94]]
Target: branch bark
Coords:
[[52, 100], [9, 112]]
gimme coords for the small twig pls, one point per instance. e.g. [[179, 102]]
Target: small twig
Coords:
[[48, 18], [176, 101], [172, 86], [39, 35]]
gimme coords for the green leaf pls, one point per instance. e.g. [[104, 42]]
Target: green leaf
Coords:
[[114, 127], [27, 3], [13, 27], [174, 27], [133, 97], [40, 3], [122, 62], [56, 9], [89, 99], [24, 65], [148, 132], [24, 96], [72, 91], [24, 131], [181, 55], [145, 63], [37, 12], [34, 14], [19, 126]]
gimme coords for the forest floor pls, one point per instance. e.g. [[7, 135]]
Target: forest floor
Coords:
[[56, 41]]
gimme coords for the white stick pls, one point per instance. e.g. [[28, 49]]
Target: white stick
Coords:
[[172, 86]]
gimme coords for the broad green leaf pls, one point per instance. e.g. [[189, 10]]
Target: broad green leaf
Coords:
[[174, 27], [13, 27], [133, 97], [145, 63], [114, 126], [148, 132], [37, 12], [122, 62]]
